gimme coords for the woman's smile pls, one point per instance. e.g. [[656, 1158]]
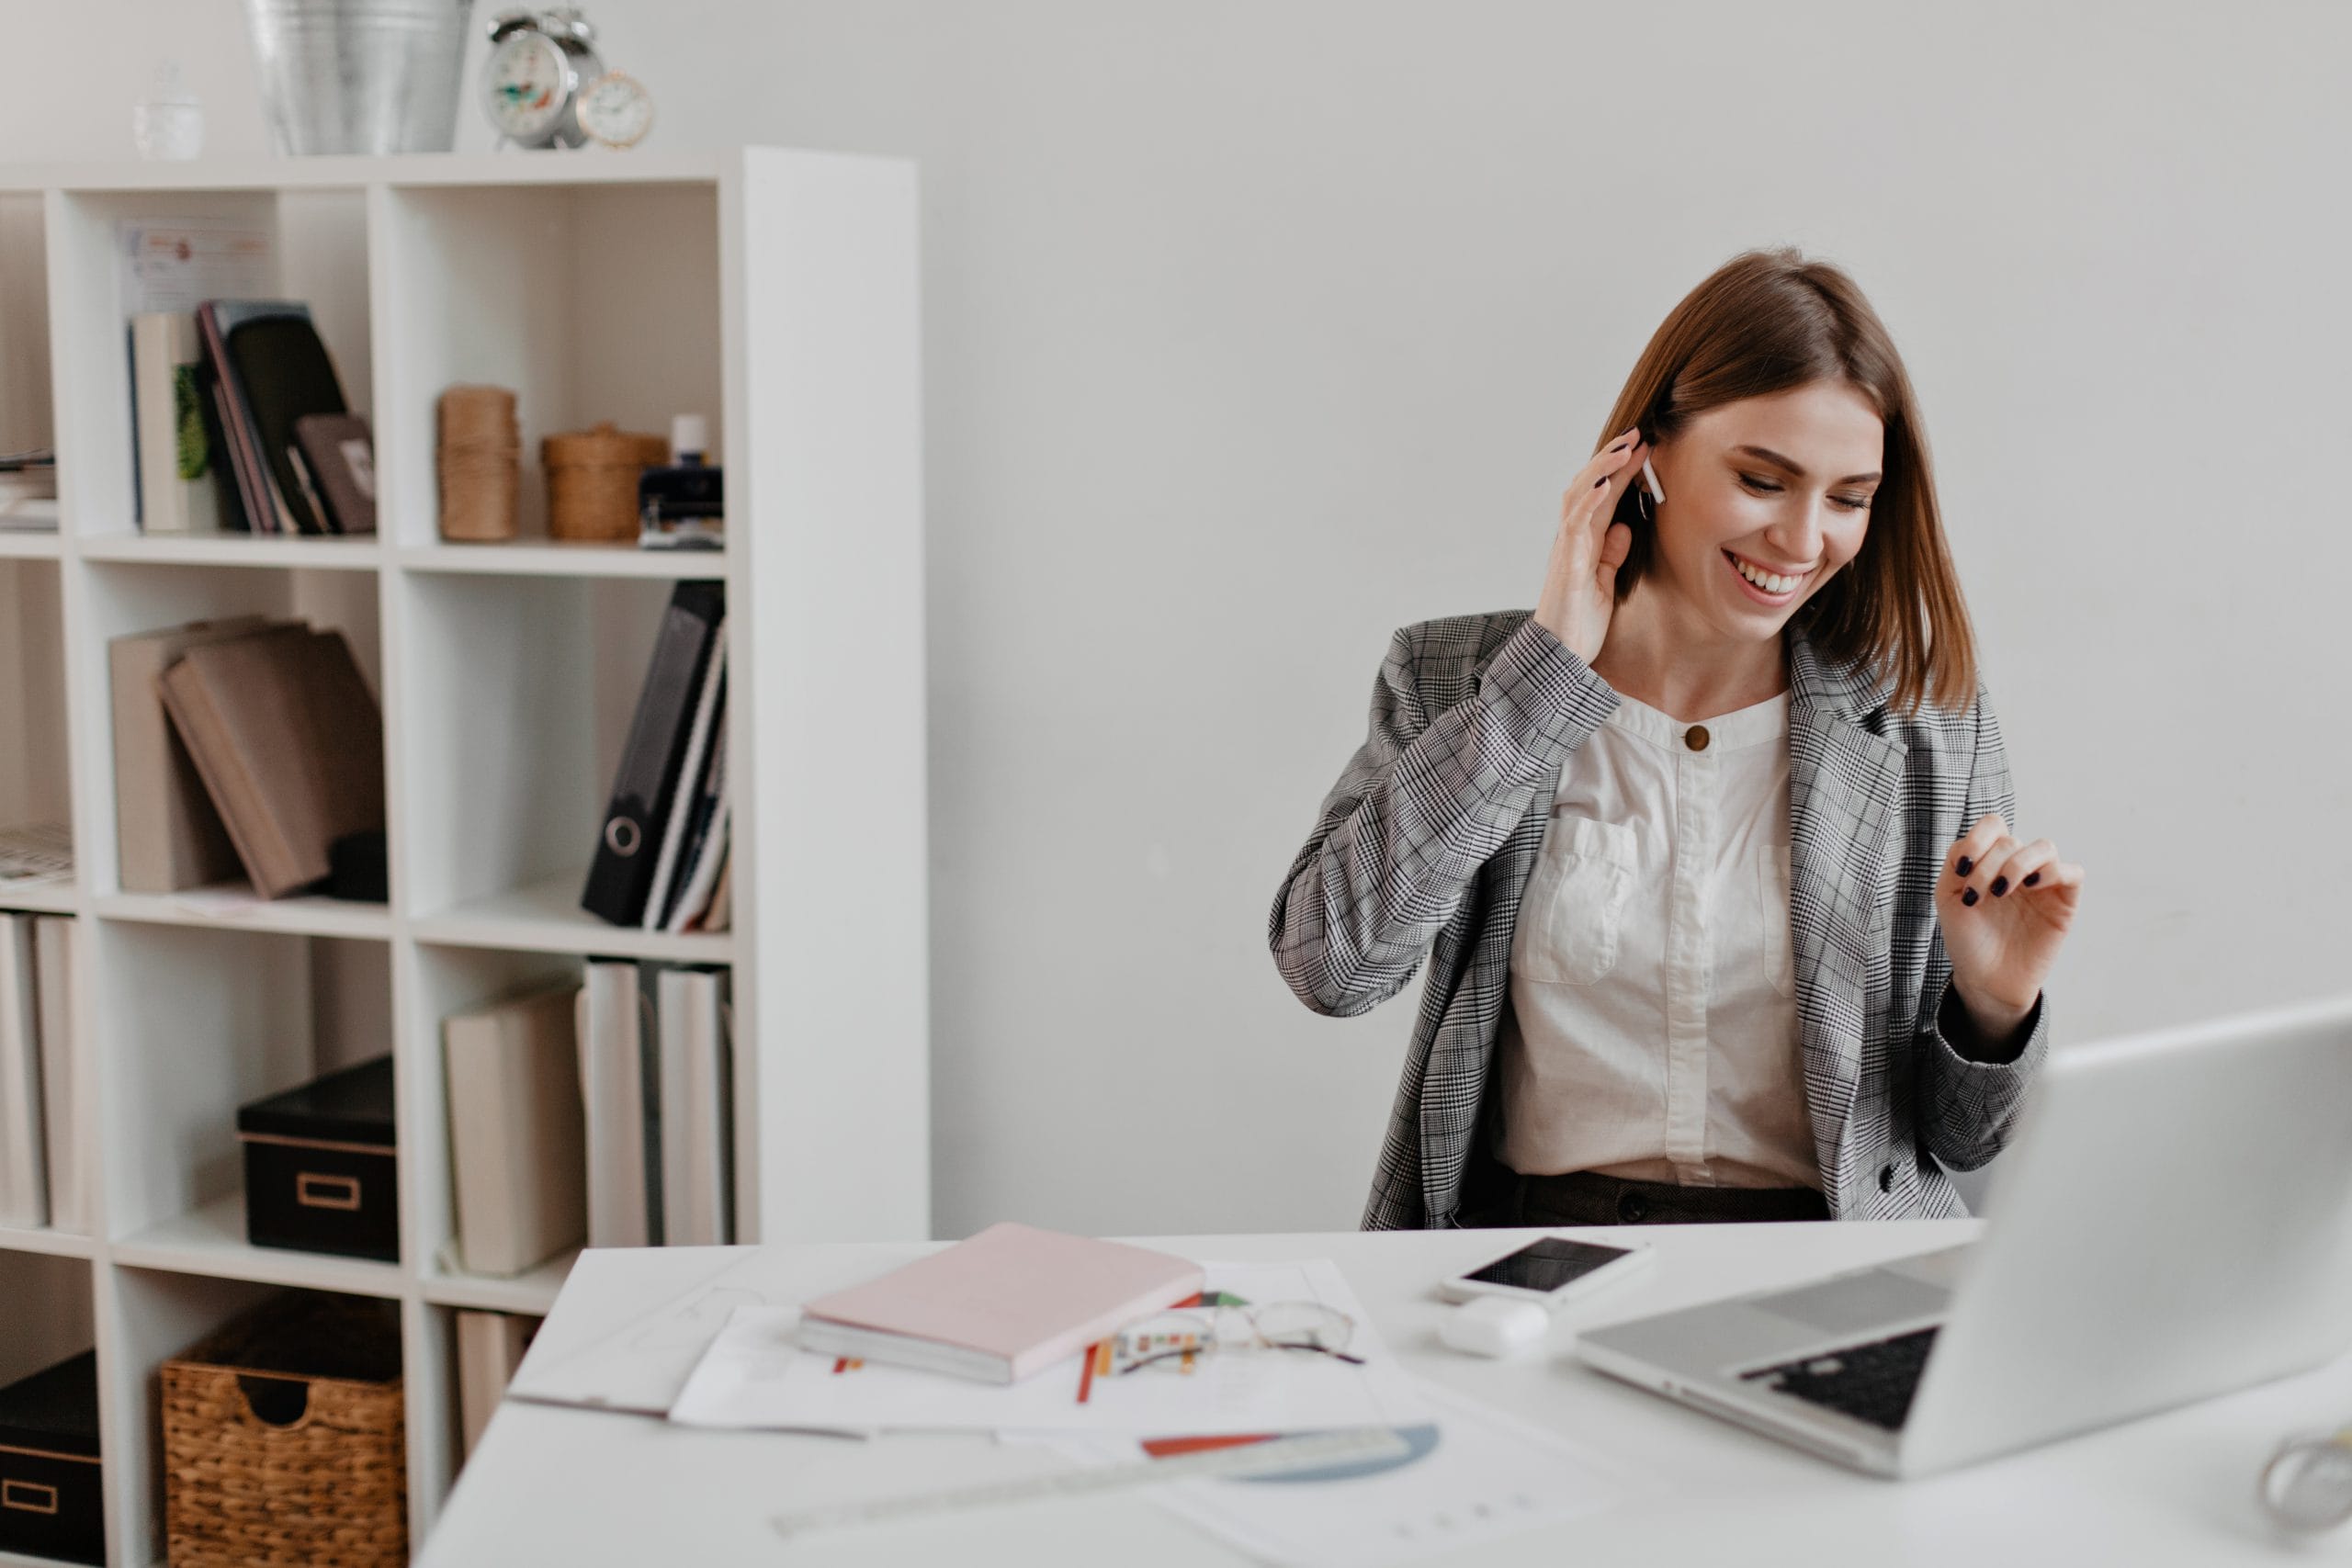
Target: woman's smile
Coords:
[[1751, 577]]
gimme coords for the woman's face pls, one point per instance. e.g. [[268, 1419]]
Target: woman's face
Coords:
[[1781, 483]]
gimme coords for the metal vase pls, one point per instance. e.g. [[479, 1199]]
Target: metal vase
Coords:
[[360, 75]]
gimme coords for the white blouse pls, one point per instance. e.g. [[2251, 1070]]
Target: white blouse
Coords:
[[1652, 1032]]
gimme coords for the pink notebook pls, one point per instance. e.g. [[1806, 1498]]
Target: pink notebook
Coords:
[[1001, 1305]]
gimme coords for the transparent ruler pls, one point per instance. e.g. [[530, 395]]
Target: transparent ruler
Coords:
[[1310, 1450]]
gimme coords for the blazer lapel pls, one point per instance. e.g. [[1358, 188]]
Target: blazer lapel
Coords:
[[1845, 793]]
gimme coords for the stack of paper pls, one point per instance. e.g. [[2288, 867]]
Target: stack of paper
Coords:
[[758, 1373], [1454, 1475]]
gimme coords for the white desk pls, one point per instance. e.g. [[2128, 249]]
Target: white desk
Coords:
[[550, 1484]]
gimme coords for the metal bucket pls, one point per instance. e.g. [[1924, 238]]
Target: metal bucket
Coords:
[[360, 75]]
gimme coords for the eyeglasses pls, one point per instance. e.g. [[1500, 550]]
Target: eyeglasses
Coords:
[[1177, 1340]]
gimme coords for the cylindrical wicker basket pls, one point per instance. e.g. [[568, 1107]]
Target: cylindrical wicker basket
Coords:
[[591, 480], [282, 1439], [479, 457]]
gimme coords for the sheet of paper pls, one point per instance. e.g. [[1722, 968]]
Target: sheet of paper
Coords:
[[755, 1375], [176, 264], [1474, 1476], [638, 1360]]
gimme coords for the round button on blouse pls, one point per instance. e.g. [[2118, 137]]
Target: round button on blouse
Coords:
[[1697, 737]]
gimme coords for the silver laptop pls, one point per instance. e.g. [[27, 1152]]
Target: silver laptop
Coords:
[[2173, 1221]]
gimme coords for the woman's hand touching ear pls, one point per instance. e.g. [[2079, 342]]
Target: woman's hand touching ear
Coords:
[[2003, 908], [1580, 582]]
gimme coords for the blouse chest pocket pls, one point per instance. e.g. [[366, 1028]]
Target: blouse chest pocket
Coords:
[[1569, 920], [1772, 907]]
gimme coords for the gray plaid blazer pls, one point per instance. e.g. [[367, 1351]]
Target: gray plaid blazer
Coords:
[[1424, 846]]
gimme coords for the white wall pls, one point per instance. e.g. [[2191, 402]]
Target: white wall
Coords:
[[1254, 329]]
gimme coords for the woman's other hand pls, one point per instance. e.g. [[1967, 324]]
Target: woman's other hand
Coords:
[[2004, 908], [1580, 582]]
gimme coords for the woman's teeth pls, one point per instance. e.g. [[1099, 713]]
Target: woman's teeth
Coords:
[[1764, 580]]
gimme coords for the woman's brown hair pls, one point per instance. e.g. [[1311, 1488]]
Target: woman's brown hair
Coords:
[[1769, 320]]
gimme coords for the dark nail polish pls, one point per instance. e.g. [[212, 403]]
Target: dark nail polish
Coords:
[[1966, 865], [1969, 896], [2000, 885], [1598, 483], [2034, 878]]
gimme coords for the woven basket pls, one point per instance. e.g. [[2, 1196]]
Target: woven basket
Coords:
[[282, 1439], [592, 481], [478, 461]]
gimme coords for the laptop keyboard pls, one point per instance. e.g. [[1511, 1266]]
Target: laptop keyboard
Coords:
[[1873, 1383]]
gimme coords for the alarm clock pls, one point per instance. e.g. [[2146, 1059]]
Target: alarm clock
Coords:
[[531, 83], [615, 109]]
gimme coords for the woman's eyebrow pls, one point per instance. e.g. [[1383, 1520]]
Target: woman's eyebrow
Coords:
[[1768, 455]]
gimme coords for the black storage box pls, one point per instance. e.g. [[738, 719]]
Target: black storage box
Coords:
[[320, 1171], [50, 1503]]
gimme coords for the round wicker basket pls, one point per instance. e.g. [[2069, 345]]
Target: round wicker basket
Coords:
[[592, 481]]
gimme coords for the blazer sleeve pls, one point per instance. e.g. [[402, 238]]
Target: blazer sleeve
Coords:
[[1968, 1106], [1425, 801]]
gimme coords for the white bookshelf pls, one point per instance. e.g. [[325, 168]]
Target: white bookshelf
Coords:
[[775, 291]]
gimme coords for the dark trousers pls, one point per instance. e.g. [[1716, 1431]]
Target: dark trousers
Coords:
[[1496, 1195]]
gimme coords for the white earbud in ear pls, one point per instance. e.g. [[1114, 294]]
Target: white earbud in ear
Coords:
[[1657, 490]]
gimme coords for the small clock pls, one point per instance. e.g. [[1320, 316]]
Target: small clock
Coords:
[[616, 109], [531, 86]]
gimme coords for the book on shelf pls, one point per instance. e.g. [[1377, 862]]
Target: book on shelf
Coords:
[[336, 454], [657, 1083], [516, 1131], [228, 471], [998, 1307], [623, 1132], [691, 1027], [688, 788], [489, 1347], [289, 743], [280, 371], [719, 915], [707, 852], [24, 1166], [176, 491], [265, 505], [645, 785], [60, 1076], [275, 379], [168, 836]]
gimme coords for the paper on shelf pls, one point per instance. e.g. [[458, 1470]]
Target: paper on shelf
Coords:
[[35, 855], [755, 1375], [222, 901], [179, 262]]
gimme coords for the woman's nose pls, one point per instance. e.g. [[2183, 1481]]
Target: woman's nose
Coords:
[[1800, 539]]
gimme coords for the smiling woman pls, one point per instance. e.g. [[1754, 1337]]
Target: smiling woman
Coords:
[[1779, 956]]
